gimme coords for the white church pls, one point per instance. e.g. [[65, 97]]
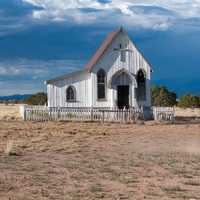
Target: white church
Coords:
[[117, 76]]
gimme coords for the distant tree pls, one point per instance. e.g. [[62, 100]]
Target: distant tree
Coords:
[[161, 96], [189, 101], [37, 99]]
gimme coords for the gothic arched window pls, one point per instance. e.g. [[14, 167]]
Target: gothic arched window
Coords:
[[71, 94], [101, 84], [141, 89]]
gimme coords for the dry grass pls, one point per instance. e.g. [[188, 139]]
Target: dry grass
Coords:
[[9, 147], [9, 112], [72, 161], [187, 112]]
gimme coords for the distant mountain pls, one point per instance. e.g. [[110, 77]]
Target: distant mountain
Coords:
[[17, 97]]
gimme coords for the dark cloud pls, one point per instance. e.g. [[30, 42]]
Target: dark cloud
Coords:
[[34, 50]]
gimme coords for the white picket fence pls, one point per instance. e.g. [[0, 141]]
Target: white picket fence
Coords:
[[42, 113], [164, 113]]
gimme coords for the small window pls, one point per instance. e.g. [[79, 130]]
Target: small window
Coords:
[[141, 90], [122, 53], [71, 94], [101, 84]]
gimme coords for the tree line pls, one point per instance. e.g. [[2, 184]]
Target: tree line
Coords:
[[39, 98], [161, 96]]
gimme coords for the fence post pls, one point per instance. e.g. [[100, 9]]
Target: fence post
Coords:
[[173, 115], [49, 113], [92, 114], [103, 116], [155, 113], [22, 110], [58, 115], [24, 113], [124, 115]]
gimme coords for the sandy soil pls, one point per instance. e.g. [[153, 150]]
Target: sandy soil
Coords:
[[89, 161], [9, 112], [188, 112]]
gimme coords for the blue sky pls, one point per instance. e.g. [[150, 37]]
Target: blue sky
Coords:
[[41, 39]]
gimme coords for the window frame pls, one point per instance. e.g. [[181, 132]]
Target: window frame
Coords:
[[71, 87], [143, 85], [105, 84]]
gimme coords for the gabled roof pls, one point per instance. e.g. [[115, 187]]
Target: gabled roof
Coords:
[[101, 50], [66, 76], [107, 42], [95, 58]]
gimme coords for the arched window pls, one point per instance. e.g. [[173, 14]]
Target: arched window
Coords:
[[71, 94], [141, 89], [101, 84]]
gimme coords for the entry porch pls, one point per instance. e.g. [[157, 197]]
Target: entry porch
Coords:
[[128, 90]]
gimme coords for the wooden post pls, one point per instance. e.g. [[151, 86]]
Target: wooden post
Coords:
[[92, 114], [24, 111], [49, 114], [173, 115], [58, 113], [103, 116], [124, 115]]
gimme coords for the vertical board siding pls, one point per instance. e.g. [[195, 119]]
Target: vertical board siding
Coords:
[[111, 63], [57, 92], [86, 83]]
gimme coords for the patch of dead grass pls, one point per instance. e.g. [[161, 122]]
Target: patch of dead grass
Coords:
[[84, 161]]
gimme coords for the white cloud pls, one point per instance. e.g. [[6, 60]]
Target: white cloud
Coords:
[[24, 76], [116, 11], [9, 71], [37, 68]]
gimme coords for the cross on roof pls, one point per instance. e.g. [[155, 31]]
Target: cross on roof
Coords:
[[122, 49]]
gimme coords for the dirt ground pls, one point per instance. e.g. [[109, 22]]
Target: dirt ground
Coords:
[[89, 161], [9, 112], [188, 112]]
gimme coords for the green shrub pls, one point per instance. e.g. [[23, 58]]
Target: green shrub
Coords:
[[37, 99], [161, 96], [189, 101]]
